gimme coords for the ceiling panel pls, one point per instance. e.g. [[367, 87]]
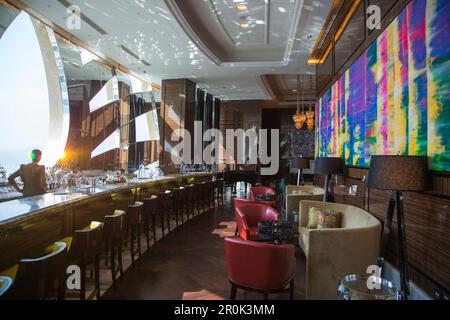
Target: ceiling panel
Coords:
[[149, 30]]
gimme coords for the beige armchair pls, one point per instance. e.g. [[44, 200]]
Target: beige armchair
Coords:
[[334, 253], [295, 194]]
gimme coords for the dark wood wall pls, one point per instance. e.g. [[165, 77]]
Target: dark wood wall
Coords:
[[427, 216]]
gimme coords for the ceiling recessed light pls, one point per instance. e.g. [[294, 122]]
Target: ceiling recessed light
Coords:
[[244, 25], [241, 7]]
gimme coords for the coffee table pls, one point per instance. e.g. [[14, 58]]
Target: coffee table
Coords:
[[270, 231]]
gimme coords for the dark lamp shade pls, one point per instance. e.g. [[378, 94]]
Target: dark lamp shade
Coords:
[[300, 163], [330, 165], [398, 173]]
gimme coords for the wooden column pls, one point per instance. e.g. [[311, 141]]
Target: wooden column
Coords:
[[177, 112]]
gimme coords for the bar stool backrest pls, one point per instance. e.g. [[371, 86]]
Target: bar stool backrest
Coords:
[[165, 198], [38, 278], [87, 244], [113, 228], [135, 212], [150, 204]]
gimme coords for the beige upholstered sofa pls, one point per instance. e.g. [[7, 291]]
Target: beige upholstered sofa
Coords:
[[334, 253], [295, 194]]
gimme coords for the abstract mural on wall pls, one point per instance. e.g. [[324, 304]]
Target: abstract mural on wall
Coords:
[[395, 98]]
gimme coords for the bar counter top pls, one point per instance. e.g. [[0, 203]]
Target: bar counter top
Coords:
[[26, 207]]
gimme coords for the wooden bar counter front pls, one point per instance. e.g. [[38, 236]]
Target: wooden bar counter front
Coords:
[[29, 225]]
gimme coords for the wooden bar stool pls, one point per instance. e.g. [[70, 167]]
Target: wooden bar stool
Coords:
[[5, 285], [178, 203], [190, 200], [206, 194], [198, 197], [40, 278], [221, 188], [134, 216], [113, 230], [212, 191], [150, 207], [85, 248], [164, 209]]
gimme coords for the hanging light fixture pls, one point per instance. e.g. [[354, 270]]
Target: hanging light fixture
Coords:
[[299, 118], [310, 114]]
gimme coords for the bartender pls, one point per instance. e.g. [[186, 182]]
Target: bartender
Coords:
[[32, 175]]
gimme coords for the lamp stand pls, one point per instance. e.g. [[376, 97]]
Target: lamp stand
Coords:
[[300, 177], [327, 182], [396, 200]]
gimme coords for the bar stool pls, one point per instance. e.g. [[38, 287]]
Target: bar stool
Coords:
[[40, 278], [206, 194], [85, 248], [212, 193], [113, 230], [164, 209], [198, 198], [150, 206], [178, 202], [220, 191], [5, 285], [134, 222], [190, 200]]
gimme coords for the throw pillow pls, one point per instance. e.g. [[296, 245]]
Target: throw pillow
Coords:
[[313, 216], [329, 220]]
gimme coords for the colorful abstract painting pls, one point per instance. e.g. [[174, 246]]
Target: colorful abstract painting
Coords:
[[395, 99]]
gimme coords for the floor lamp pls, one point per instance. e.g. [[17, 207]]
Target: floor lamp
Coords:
[[327, 167], [397, 174], [300, 163]]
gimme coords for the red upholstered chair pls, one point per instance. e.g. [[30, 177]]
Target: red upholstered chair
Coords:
[[241, 202], [248, 216], [254, 191], [258, 266]]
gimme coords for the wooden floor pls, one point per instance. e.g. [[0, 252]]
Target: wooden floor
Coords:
[[190, 264]]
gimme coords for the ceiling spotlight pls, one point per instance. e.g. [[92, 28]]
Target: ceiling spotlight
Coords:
[[241, 7]]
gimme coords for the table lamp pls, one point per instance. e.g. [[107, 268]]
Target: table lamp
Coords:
[[328, 166], [300, 163], [397, 174]]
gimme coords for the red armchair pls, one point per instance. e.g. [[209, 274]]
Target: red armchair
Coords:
[[241, 202], [248, 216], [262, 267], [254, 191]]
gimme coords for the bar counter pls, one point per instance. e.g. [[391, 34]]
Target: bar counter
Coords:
[[28, 225]]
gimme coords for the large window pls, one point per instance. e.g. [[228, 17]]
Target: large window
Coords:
[[60, 98], [32, 108]]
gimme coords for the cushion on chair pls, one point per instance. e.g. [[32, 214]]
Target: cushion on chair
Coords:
[[11, 272], [313, 216], [329, 220], [53, 247]]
